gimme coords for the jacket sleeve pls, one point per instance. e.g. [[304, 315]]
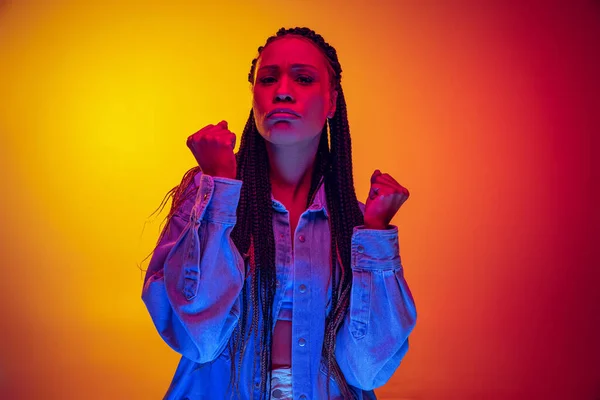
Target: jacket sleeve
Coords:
[[196, 273], [373, 338]]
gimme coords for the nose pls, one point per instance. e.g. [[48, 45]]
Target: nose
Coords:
[[283, 93]]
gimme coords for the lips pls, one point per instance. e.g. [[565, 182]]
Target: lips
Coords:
[[282, 112]]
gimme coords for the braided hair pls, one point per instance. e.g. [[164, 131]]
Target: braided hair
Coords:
[[253, 232]]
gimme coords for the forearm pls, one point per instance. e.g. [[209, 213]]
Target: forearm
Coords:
[[193, 295], [374, 335]]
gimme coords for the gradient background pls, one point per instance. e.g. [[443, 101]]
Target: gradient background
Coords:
[[488, 112]]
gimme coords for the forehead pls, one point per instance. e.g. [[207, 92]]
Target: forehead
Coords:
[[291, 50]]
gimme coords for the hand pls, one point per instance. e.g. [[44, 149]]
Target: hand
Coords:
[[212, 147], [386, 196]]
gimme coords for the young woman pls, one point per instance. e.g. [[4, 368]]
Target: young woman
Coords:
[[270, 278]]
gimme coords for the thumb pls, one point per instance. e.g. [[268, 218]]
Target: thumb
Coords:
[[376, 173]]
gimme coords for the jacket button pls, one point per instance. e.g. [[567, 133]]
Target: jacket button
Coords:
[[302, 342], [360, 249], [276, 393], [277, 283], [301, 238], [302, 397], [302, 288]]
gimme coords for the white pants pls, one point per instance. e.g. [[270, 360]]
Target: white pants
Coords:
[[281, 384]]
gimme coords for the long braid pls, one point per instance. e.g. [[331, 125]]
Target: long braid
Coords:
[[342, 224], [341, 200], [253, 232], [244, 244]]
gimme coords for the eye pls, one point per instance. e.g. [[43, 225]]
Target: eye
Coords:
[[265, 80], [305, 79], [302, 79]]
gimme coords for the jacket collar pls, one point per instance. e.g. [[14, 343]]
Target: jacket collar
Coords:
[[319, 202]]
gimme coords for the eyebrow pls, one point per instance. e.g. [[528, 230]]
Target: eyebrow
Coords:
[[293, 66]]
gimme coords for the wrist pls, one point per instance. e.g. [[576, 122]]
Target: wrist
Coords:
[[221, 174], [375, 225]]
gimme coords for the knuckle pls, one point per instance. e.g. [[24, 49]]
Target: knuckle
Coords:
[[209, 138], [205, 129]]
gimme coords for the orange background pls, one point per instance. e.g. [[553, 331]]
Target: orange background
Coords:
[[487, 112]]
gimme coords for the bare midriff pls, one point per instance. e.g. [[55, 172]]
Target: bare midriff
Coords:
[[281, 351]]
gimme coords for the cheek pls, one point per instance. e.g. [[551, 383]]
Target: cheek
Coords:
[[258, 99], [316, 105], [259, 105]]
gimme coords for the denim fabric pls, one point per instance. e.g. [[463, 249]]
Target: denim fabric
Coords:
[[194, 280], [287, 296]]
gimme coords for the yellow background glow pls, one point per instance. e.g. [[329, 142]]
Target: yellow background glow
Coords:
[[487, 113]]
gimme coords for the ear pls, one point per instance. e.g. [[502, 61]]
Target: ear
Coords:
[[333, 103]]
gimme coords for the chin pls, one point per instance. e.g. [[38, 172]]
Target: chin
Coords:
[[278, 136], [284, 133]]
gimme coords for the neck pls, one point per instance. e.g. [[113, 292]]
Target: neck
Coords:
[[291, 169]]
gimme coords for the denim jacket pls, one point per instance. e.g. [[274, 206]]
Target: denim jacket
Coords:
[[193, 284]]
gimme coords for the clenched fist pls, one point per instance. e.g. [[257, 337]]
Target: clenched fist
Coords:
[[212, 146], [386, 196]]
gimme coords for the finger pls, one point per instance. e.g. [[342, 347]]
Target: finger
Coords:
[[374, 176], [373, 193], [222, 138], [378, 176], [380, 191], [233, 140], [390, 182], [380, 180], [220, 141], [218, 129], [389, 178], [214, 127], [385, 191], [189, 140], [206, 128]]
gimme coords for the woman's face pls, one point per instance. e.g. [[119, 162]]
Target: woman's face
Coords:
[[291, 73]]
